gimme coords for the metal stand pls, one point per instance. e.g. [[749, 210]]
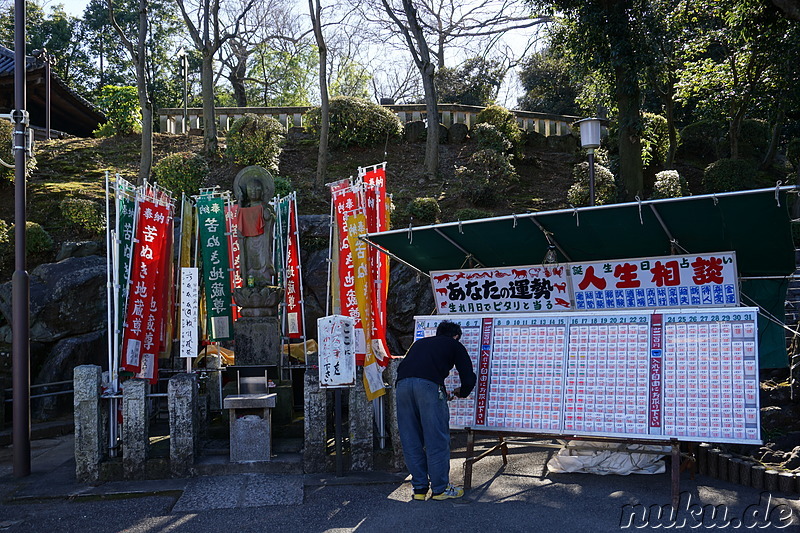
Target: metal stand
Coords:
[[337, 395], [676, 457]]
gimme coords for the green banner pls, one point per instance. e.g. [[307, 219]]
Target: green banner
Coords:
[[282, 230], [216, 267], [125, 212]]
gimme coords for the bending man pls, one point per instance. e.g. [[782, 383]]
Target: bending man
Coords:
[[423, 417]]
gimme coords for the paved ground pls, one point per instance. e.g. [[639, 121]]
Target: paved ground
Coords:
[[518, 497]]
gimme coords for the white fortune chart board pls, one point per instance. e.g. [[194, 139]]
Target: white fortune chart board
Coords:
[[686, 374]]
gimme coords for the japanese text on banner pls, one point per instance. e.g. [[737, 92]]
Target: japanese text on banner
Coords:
[[216, 268]]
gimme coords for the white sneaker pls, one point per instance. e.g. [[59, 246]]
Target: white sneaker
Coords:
[[450, 492]]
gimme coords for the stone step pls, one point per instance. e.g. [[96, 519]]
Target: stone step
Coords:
[[219, 465]]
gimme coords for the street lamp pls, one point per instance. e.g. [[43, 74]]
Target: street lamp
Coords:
[[590, 139], [184, 59]]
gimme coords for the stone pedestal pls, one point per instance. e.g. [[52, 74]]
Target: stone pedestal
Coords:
[[361, 423], [258, 340], [183, 442], [314, 422], [135, 428], [251, 426], [213, 380], [89, 441], [390, 375]]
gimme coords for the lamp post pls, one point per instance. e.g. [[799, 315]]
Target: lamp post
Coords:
[[590, 139], [184, 59]]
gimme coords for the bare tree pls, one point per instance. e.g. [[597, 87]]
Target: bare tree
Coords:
[[315, 11], [138, 53], [266, 24], [429, 27], [209, 32]]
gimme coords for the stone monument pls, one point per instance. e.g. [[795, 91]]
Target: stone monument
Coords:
[[257, 331]]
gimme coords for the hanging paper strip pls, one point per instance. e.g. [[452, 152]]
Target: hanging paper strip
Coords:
[[216, 268], [234, 256], [377, 220], [345, 200], [294, 310], [357, 225], [141, 335]]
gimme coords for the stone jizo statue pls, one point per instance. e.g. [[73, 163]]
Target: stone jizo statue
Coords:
[[253, 188]]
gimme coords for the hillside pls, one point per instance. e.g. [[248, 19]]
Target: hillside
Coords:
[[75, 168]]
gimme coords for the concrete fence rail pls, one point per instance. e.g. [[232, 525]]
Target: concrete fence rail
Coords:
[[172, 119]]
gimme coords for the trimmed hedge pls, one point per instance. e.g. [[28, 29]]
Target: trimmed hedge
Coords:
[[605, 187], [424, 210], [487, 174], [356, 122], [729, 175], [669, 184], [83, 214], [505, 122], [182, 172], [255, 140]]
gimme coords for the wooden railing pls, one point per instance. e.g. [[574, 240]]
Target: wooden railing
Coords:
[[172, 119]]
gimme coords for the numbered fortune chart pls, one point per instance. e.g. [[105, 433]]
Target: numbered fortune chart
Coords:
[[689, 375], [711, 376]]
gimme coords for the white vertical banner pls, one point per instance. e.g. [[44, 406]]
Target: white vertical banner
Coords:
[[337, 355], [189, 311]]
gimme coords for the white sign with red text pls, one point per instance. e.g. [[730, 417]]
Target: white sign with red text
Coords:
[[523, 289]]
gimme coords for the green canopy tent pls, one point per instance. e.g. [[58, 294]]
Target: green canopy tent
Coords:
[[755, 224]]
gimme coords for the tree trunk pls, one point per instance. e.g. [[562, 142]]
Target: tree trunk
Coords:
[[774, 140], [146, 160], [237, 81], [210, 141], [325, 122], [630, 146], [669, 111], [432, 112]]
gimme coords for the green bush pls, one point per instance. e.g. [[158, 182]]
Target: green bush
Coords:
[[356, 122], [605, 187], [655, 140], [256, 140], [489, 137], [37, 240], [669, 184], [470, 213], [6, 153], [487, 174], [181, 172], [4, 233], [754, 137], [425, 210], [504, 120], [283, 186], [84, 215], [729, 175], [121, 107], [701, 140]]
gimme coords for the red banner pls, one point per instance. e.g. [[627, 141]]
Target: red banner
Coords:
[[142, 331], [378, 220], [346, 200], [231, 216], [294, 310]]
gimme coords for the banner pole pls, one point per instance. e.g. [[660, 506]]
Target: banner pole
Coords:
[[330, 260]]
